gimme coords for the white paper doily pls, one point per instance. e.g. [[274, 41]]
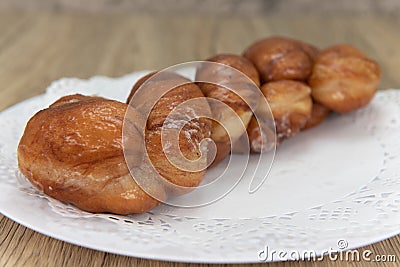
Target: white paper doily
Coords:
[[340, 180]]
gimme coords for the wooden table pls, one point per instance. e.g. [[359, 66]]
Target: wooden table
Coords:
[[36, 49]]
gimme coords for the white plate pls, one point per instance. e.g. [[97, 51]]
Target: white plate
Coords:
[[338, 181]]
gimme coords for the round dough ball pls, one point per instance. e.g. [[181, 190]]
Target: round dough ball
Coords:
[[280, 58], [291, 106], [344, 79]]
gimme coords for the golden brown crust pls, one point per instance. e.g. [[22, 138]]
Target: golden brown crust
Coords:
[[239, 63], [260, 142], [163, 80], [318, 115], [137, 85], [190, 149], [72, 99], [291, 106], [72, 151], [192, 133], [344, 79], [222, 79], [280, 58]]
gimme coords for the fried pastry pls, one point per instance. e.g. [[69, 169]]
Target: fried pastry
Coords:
[[240, 102], [261, 137], [189, 134], [344, 79], [280, 58], [291, 106], [318, 115], [72, 151]]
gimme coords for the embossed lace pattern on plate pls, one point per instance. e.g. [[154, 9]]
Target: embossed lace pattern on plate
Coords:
[[372, 210]]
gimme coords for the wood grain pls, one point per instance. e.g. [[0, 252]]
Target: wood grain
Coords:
[[37, 48]]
